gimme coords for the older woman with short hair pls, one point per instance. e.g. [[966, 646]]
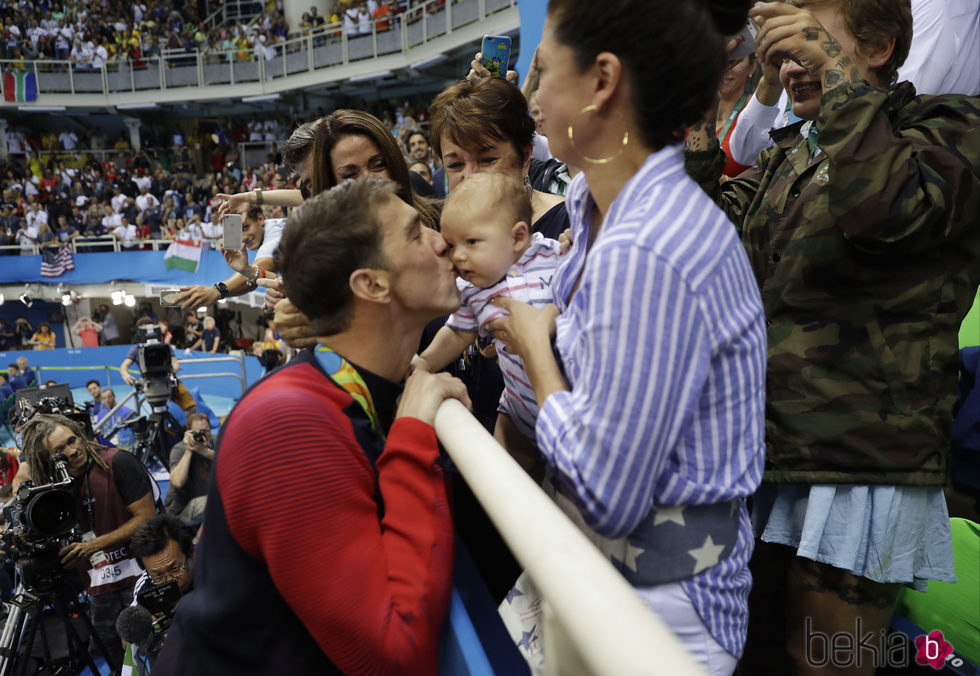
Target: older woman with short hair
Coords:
[[484, 125]]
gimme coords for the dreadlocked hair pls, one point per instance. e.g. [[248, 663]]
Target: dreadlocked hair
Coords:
[[36, 432]]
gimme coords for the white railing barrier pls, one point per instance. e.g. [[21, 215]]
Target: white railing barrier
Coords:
[[594, 621], [196, 70]]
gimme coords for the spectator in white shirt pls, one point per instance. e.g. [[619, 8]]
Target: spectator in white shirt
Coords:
[[62, 41], [36, 215], [118, 200], [110, 219], [126, 232], [69, 140], [79, 54], [99, 56], [27, 238], [145, 200]]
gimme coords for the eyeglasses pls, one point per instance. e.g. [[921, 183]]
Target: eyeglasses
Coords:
[[172, 573]]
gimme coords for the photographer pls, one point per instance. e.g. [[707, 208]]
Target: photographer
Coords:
[[257, 233], [181, 396], [114, 494], [190, 469], [164, 548]]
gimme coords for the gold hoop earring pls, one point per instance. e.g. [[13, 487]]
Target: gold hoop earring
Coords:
[[593, 160]]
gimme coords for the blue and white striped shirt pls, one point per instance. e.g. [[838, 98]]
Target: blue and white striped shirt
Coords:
[[664, 347]]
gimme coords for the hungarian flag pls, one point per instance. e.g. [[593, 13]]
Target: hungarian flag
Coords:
[[183, 254], [19, 86], [54, 262]]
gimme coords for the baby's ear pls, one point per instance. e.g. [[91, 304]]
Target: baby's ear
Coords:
[[522, 235]]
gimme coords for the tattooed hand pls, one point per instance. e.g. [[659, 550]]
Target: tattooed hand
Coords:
[[787, 32]]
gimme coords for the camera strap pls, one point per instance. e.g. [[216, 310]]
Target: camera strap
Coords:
[[344, 374], [89, 501]]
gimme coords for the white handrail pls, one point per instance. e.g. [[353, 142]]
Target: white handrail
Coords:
[[606, 624]]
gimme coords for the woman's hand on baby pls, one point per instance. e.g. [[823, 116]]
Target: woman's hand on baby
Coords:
[[525, 328]]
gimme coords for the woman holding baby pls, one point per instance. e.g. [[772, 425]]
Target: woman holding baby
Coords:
[[650, 369]]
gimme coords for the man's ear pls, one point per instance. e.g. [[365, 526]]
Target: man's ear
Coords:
[[880, 53], [521, 234], [370, 284]]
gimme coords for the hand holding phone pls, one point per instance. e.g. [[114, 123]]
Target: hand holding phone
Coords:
[[168, 298], [495, 52], [747, 45], [232, 236]]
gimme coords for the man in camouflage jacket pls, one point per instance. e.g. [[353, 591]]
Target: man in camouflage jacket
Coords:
[[868, 257]]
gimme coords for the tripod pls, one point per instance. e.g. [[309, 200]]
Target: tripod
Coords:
[[26, 621], [152, 440]]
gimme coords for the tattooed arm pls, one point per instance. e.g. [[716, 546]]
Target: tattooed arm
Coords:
[[788, 32]]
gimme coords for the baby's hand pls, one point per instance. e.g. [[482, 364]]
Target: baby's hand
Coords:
[[564, 241], [418, 364]]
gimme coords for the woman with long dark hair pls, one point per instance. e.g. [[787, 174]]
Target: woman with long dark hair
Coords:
[[650, 371]]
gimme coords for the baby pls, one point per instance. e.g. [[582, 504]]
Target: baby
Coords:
[[485, 222]]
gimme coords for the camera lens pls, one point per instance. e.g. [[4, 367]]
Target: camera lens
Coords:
[[200, 436]]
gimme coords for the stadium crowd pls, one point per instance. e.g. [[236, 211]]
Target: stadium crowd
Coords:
[[91, 36], [167, 190]]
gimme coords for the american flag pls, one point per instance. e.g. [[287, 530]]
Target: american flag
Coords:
[[55, 262]]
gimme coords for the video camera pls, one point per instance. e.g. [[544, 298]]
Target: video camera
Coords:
[[42, 521], [156, 367], [29, 401]]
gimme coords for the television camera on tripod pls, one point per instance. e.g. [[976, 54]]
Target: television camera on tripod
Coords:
[[157, 384], [42, 522], [74, 525]]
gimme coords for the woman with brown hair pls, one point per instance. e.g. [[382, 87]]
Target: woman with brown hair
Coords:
[[484, 125], [353, 144], [44, 339]]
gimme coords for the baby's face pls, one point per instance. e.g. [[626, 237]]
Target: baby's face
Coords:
[[482, 246]]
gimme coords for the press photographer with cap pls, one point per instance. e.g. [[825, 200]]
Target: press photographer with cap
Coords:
[[115, 495]]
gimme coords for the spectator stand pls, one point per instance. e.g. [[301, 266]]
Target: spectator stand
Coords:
[[198, 69]]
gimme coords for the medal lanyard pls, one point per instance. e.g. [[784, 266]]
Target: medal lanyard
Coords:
[[344, 374], [731, 117]]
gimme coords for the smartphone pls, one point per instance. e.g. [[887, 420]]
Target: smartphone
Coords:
[[496, 54], [232, 225], [747, 45], [168, 298]]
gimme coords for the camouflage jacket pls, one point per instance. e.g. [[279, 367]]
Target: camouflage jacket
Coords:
[[868, 258]]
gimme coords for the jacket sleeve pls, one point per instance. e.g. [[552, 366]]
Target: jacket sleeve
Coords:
[[373, 594], [900, 181], [736, 195]]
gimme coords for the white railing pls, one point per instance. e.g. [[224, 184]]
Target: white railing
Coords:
[[594, 622], [318, 51], [104, 243]]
